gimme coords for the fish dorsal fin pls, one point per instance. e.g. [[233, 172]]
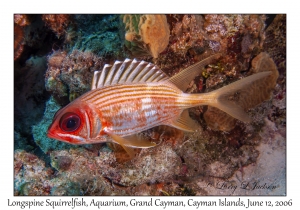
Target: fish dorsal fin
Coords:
[[127, 71], [185, 122], [183, 78]]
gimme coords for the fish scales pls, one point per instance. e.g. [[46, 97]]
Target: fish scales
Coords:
[[134, 108], [124, 89]]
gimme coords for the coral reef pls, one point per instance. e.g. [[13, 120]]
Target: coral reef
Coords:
[[222, 150], [57, 23], [99, 34], [277, 31], [237, 37], [31, 176], [146, 34], [100, 43], [72, 73], [18, 41], [21, 19], [32, 37], [187, 33]]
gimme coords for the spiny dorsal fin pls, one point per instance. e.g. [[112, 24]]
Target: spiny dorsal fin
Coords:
[[183, 78], [128, 71]]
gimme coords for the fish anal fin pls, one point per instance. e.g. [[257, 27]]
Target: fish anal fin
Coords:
[[184, 122]]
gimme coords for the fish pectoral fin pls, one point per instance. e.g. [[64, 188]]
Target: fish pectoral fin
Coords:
[[130, 142], [185, 122]]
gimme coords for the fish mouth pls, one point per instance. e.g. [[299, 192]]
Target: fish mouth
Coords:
[[62, 137], [54, 135]]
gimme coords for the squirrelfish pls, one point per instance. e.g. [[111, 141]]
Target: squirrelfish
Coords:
[[132, 96]]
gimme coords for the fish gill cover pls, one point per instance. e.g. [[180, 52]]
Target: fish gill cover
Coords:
[[54, 62]]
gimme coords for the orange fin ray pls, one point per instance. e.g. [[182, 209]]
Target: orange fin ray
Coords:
[[130, 142]]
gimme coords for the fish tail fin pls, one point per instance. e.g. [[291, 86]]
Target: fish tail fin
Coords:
[[231, 98]]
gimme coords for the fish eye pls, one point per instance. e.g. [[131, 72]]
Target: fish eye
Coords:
[[69, 122]]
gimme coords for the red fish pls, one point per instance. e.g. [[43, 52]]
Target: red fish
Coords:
[[133, 96]]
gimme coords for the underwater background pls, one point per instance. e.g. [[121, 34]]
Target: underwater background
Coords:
[[54, 60]]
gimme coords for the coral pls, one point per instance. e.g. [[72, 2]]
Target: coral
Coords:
[[33, 178], [79, 174], [21, 19], [57, 23], [275, 43], [71, 74], [53, 83], [187, 34], [31, 37], [220, 27], [99, 34], [237, 37], [146, 34], [39, 130], [156, 168], [30, 175], [100, 43], [18, 41]]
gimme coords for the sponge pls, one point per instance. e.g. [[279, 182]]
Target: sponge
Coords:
[[146, 34]]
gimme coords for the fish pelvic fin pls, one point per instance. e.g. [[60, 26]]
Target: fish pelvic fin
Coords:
[[183, 78], [233, 97], [130, 142]]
